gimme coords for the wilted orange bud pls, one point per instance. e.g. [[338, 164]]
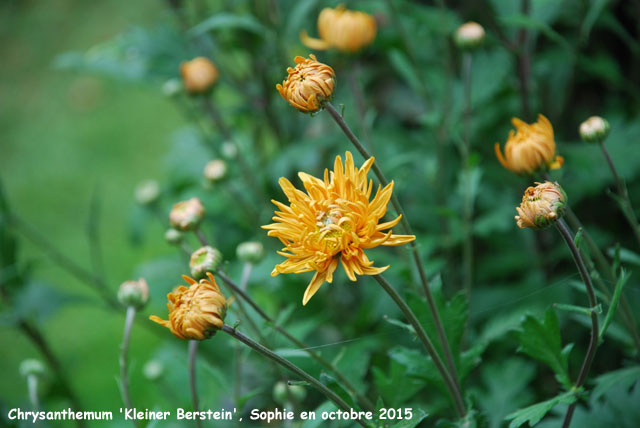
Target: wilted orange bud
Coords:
[[199, 75], [541, 206], [343, 29], [530, 148], [308, 85], [196, 312], [187, 215]]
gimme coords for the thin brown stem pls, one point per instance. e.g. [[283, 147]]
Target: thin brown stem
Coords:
[[524, 63], [467, 211], [291, 367], [237, 290], [593, 303], [404, 222]]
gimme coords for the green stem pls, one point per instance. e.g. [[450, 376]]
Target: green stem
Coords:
[[431, 350], [624, 194], [524, 63], [467, 212], [414, 248], [291, 367], [362, 400], [124, 350], [193, 351], [593, 303]]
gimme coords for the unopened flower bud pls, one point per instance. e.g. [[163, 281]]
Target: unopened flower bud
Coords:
[[153, 370], [250, 252], [229, 150], [171, 88], [173, 236], [594, 129], [134, 293], [343, 29], [187, 215], [308, 85], [199, 75], [541, 206], [147, 192], [215, 170], [31, 367], [196, 312], [282, 396], [469, 36], [203, 260]]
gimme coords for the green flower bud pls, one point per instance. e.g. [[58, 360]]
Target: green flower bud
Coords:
[[250, 252], [171, 88], [32, 367], [215, 170], [147, 192], [134, 293], [187, 215], [594, 129], [229, 150], [153, 370], [173, 236], [203, 260], [281, 396], [469, 36]]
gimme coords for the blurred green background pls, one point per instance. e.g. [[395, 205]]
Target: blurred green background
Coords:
[[84, 119]]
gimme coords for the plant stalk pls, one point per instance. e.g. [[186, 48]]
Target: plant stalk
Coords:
[[362, 400], [124, 350], [414, 248], [593, 303], [431, 350], [193, 351], [467, 211], [291, 367]]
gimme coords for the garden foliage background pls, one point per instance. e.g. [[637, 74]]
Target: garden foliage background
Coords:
[[85, 118]]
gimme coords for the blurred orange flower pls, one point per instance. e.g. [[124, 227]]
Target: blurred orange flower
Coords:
[[196, 312], [530, 148], [343, 29], [335, 220], [308, 84], [199, 75]]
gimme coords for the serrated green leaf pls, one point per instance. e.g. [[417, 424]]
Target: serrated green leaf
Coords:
[[395, 386], [619, 378], [543, 342], [533, 414]]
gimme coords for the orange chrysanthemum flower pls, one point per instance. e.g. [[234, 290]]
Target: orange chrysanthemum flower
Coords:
[[308, 85], [196, 312], [343, 29], [335, 220], [530, 148], [541, 206]]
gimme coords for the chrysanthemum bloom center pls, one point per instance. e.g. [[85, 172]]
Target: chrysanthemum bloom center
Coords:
[[334, 221], [531, 148]]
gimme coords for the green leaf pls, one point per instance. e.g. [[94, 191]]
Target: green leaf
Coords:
[[524, 21], [418, 416], [595, 10], [624, 255], [227, 20], [619, 378], [331, 383], [617, 293], [533, 414], [395, 386], [506, 384], [578, 309], [542, 341], [403, 66]]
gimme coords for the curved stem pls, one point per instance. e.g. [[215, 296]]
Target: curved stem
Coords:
[[467, 211], [624, 194], [422, 335], [193, 351], [124, 350], [593, 303], [289, 366], [362, 400], [414, 248]]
